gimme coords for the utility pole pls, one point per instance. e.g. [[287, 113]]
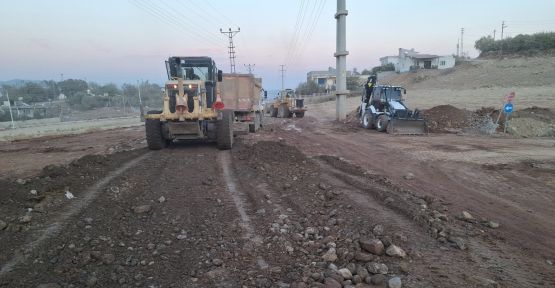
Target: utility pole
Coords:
[[494, 34], [250, 67], [62, 77], [231, 47], [141, 102], [458, 42], [503, 26], [10, 107], [282, 70], [462, 41], [341, 60]]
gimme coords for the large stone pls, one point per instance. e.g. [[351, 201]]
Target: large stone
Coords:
[[330, 255], [345, 273], [331, 283], [395, 251], [377, 268], [363, 256], [394, 282], [142, 209], [374, 246]]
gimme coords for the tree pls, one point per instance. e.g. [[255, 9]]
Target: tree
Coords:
[[307, 88], [71, 86]]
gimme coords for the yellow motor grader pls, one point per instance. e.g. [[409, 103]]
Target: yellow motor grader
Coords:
[[192, 106]]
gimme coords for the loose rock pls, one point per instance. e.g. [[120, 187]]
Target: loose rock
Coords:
[[395, 251], [330, 255], [363, 256], [331, 283], [378, 230], [25, 219], [409, 176], [377, 279], [493, 225], [467, 216], [142, 209], [458, 241], [162, 199], [374, 246], [3, 225], [394, 282], [345, 273], [377, 268]]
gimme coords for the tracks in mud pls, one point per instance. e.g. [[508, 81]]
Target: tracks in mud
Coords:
[[40, 236]]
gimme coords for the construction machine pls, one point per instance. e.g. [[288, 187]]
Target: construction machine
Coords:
[[242, 93], [387, 112], [192, 106], [287, 104]]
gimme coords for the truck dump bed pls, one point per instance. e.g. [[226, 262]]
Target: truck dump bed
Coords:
[[241, 92]]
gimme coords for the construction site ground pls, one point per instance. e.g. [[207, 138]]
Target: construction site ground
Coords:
[[100, 210]]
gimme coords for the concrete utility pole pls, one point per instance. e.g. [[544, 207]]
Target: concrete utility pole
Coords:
[[141, 102], [494, 34], [341, 61], [250, 67], [282, 70], [462, 46], [458, 43], [231, 47], [10, 107], [503, 26]]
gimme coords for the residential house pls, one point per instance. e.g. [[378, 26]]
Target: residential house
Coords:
[[410, 60]]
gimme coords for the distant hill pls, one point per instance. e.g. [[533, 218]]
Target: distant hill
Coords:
[[514, 72]]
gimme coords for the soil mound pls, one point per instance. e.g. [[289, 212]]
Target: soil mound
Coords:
[[446, 118]]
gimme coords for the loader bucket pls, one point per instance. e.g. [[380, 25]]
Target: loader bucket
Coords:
[[406, 126]]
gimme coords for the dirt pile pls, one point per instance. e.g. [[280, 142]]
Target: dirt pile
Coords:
[[532, 122], [446, 118]]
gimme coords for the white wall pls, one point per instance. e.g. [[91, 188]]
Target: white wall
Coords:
[[449, 62]]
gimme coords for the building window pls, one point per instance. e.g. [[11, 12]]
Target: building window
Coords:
[[442, 63]]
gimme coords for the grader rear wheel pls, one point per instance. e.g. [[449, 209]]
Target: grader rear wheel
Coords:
[[225, 131]]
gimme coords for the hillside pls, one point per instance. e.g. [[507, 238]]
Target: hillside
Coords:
[[481, 83]]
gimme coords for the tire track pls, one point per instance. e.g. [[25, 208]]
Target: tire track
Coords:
[[74, 208]]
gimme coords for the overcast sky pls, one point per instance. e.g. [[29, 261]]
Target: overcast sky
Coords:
[[122, 41]]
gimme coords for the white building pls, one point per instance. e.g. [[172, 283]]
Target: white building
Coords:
[[410, 60], [325, 79]]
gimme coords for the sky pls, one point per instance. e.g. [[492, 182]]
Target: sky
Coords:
[[122, 41]]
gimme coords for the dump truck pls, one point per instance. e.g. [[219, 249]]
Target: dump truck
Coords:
[[242, 94], [387, 112], [287, 104], [192, 106]]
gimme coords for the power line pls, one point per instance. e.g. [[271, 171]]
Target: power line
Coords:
[[308, 36], [296, 29], [170, 20], [231, 47]]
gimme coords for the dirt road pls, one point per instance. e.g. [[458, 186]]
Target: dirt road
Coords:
[[288, 207]]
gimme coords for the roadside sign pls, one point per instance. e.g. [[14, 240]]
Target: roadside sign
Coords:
[[509, 98], [508, 108]]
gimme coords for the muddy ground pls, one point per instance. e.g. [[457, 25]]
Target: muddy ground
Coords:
[[304, 203]]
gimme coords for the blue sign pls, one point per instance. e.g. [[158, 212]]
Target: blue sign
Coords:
[[508, 108]]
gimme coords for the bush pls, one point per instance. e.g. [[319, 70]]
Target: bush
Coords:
[[388, 67], [519, 44]]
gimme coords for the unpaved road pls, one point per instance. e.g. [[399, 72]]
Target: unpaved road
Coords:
[[265, 213]]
